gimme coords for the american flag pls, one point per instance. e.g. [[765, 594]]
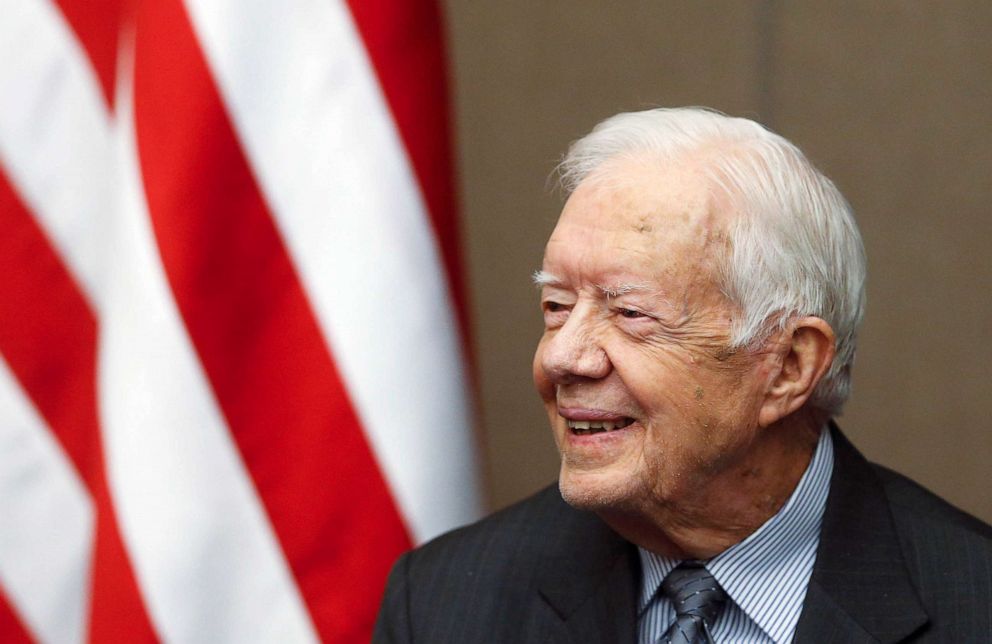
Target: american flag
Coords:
[[232, 376]]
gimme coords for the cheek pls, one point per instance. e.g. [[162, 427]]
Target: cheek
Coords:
[[726, 411], [689, 403], [662, 381]]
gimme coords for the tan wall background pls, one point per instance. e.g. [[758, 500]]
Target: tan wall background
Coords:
[[891, 99]]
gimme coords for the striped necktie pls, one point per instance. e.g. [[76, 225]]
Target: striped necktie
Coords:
[[697, 598]]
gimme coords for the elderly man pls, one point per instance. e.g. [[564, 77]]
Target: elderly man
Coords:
[[701, 294]]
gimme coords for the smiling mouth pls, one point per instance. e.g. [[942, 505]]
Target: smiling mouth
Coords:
[[587, 427]]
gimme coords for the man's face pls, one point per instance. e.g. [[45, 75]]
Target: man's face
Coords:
[[637, 338]]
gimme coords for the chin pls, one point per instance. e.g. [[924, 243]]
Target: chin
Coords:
[[599, 491]]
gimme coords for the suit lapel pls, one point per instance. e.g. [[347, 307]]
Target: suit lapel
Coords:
[[593, 592], [860, 590]]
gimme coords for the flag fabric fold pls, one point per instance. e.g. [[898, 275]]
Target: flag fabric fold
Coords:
[[233, 385]]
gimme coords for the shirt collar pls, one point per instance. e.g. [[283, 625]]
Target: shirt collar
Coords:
[[767, 573]]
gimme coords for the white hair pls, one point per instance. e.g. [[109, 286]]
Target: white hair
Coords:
[[794, 248]]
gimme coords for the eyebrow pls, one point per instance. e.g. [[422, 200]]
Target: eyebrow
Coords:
[[544, 278], [616, 290]]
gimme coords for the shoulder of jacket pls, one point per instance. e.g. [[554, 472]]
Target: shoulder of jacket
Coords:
[[525, 520], [911, 503]]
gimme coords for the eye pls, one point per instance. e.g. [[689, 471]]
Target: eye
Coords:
[[555, 313], [630, 314]]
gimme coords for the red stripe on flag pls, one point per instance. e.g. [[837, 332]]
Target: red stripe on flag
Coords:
[[12, 631], [257, 337], [406, 45], [48, 336], [97, 24]]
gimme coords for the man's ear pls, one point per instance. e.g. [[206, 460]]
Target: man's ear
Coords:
[[806, 356]]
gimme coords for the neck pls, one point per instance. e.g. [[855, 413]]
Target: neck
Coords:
[[730, 505]]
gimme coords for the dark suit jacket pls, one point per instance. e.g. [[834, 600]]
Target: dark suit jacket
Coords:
[[895, 564]]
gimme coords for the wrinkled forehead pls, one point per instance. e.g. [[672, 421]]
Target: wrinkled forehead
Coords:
[[645, 208]]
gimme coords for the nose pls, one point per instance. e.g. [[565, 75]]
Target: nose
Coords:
[[575, 351]]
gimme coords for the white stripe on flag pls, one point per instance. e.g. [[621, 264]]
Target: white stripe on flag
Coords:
[[306, 104], [205, 554], [55, 133], [47, 516]]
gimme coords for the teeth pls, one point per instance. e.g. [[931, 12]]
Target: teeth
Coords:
[[595, 426]]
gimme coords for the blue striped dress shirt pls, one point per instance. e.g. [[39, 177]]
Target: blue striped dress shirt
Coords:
[[765, 575]]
